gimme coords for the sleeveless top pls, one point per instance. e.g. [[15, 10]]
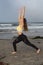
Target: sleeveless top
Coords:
[[19, 28]]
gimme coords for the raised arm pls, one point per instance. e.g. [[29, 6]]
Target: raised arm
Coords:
[[22, 13]]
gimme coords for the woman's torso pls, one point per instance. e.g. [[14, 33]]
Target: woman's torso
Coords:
[[19, 29]]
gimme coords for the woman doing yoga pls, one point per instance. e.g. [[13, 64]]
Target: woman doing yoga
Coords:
[[21, 37]]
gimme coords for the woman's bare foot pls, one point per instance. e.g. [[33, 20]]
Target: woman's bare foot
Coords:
[[13, 52], [38, 51]]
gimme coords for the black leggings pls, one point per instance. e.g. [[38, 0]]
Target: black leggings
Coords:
[[23, 38]]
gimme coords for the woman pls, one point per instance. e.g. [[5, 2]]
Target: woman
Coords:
[[21, 37]]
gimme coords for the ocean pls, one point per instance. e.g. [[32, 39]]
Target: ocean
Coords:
[[8, 31]]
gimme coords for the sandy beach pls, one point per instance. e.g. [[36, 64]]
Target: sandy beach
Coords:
[[25, 55]]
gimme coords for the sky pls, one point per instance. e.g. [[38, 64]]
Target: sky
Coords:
[[9, 10]]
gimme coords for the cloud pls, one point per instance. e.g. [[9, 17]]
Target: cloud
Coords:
[[9, 10]]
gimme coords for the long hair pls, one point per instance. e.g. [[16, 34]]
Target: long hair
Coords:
[[25, 25]]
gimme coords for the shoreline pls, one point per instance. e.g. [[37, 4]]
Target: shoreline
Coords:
[[31, 37]]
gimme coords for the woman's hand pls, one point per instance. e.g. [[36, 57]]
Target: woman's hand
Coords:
[[22, 12]]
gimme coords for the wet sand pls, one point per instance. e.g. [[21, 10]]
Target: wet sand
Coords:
[[25, 55]]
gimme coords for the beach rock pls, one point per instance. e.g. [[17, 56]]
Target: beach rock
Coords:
[[3, 63], [37, 37]]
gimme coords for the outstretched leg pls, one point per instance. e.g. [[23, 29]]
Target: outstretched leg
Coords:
[[26, 41]]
